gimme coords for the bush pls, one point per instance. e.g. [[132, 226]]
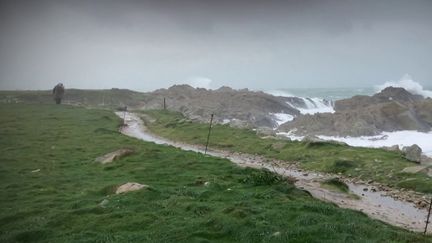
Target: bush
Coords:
[[335, 182], [261, 177], [341, 166]]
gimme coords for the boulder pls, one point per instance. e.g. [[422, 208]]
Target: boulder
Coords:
[[413, 153], [425, 160], [104, 203], [394, 148], [129, 187], [265, 131], [235, 123], [110, 157]]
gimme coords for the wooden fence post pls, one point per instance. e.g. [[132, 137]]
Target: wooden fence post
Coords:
[[208, 135], [427, 220]]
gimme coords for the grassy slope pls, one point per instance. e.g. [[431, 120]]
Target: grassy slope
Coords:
[[364, 163], [107, 98], [60, 203]]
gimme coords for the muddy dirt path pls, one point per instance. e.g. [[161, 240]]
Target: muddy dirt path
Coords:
[[373, 202]]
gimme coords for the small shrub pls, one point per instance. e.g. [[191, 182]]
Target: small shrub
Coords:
[[341, 166], [261, 177], [335, 182]]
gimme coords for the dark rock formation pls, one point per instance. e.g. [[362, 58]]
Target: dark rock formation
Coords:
[[389, 94], [392, 109], [228, 105]]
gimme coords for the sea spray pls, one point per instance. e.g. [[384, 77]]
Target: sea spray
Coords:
[[407, 83], [385, 139]]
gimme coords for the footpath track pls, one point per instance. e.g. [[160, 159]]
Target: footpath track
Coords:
[[375, 203]]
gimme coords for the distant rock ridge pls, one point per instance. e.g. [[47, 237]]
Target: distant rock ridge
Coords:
[[240, 108], [386, 95], [392, 109]]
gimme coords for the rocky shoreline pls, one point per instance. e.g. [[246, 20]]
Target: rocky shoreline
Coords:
[[393, 109]]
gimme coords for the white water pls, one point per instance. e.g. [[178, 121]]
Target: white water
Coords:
[[400, 138], [281, 118], [313, 105], [226, 121], [407, 83]]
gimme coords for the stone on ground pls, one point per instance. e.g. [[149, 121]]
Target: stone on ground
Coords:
[[424, 160], [129, 187], [110, 157], [104, 203], [413, 153], [265, 131], [394, 148]]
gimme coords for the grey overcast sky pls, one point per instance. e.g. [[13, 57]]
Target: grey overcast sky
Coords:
[[144, 45]]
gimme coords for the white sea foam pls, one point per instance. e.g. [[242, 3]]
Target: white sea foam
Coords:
[[400, 138], [281, 118], [407, 83], [313, 105], [226, 121]]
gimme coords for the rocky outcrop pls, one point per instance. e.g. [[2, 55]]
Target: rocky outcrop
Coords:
[[251, 108], [392, 109], [240, 108], [386, 95]]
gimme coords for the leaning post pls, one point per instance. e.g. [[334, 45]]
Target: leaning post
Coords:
[[208, 135], [429, 213], [124, 115]]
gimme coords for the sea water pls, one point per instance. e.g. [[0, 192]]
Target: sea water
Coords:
[[321, 100]]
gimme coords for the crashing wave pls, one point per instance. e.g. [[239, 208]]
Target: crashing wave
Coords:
[[385, 139], [314, 105], [305, 105], [408, 84]]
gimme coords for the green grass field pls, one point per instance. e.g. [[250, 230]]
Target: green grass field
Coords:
[[364, 163], [102, 98], [60, 203]]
